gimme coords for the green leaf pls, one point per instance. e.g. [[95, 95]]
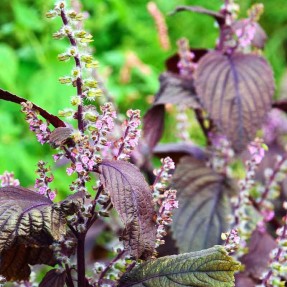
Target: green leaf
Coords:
[[206, 268], [203, 205], [9, 64]]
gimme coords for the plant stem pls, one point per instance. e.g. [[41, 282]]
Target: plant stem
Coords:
[[79, 82], [81, 260], [108, 267], [69, 280]]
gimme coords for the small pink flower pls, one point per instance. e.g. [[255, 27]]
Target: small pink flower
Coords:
[[85, 159], [268, 214], [43, 127], [52, 195], [257, 151], [79, 167], [91, 164], [69, 171], [42, 189]]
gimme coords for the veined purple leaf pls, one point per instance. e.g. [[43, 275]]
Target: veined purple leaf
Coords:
[[132, 198], [206, 268], [15, 261], [28, 217], [54, 278], [203, 205], [54, 120], [236, 90]]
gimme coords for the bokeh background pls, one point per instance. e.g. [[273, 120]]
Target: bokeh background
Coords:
[[127, 46]]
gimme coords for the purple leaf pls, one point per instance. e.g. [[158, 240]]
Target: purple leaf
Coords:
[[203, 205], [28, 217], [60, 136], [281, 105], [54, 278], [72, 203], [177, 150], [132, 198], [242, 280], [153, 125], [55, 121], [236, 90], [172, 62], [15, 261], [258, 256], [175, 90], [260, 36]]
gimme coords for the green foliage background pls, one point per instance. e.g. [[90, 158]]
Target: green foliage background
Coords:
[[29, 65]]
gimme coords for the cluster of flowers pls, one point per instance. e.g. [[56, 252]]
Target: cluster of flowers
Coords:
[[231, 239], [7, 178], [161, 26], [42, 183], [278, 264], [222, 153], [129, 141], [230, 9], [164, 198], [185, 65], [88, 88], [242, 222], [182, 123], [36, 125], [246, 33], [239, 34], [271, 188]]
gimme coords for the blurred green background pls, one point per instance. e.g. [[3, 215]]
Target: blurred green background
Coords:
[[122, 29]]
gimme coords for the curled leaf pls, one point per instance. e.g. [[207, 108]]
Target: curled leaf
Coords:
[[236, 90], [59, 136], [206, 268], [72, 203], [203, 205], [29, 220], [132, 198]]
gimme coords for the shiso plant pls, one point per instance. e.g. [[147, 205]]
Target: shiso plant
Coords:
[[187, 222]]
